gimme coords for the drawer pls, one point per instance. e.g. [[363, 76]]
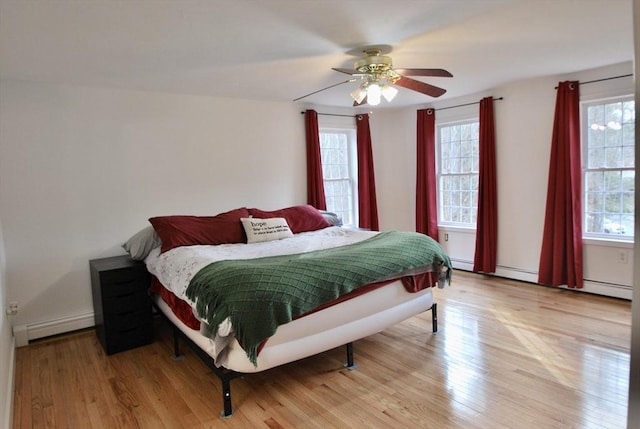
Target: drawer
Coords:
[[124, 289], [123, 276], [127, 319], [126, 302], [124, 339]]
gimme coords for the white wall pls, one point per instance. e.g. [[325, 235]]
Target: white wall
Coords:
[[82, 169], [393, 135]]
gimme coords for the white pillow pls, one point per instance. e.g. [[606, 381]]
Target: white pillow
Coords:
[[259, 230]]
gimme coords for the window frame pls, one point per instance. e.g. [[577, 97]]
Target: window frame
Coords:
[[352, 167], [439, 173], [584, 146]]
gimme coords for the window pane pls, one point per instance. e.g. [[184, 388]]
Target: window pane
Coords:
[[594, 181], [613, 156], [628, 181], [612, 181]]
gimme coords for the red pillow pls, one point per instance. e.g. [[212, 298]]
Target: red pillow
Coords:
[[300, 218], [176, 231]]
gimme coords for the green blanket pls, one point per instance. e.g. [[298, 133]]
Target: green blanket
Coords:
[[258, 295]]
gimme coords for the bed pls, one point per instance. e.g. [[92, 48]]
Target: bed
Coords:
[[191, 257]]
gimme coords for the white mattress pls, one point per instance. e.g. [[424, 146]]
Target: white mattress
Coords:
[[332, 327]]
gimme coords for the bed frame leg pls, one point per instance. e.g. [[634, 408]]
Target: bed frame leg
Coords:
[[350, 365], [226, 398], [176, 345], [434, 317]]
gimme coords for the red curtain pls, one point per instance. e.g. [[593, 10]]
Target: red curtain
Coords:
[[367, 205], [561, 256], [315, 184], [487, 221], [426, 180]]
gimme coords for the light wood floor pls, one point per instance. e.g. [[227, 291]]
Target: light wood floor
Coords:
[[508, 355]]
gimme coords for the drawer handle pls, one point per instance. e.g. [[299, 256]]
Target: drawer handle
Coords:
[[124, 313], [124, 331]]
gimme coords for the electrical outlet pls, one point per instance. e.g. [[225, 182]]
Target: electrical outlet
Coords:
[[12, 309], [623, 256]]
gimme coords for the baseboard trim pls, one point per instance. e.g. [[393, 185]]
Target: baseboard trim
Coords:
[[8, 415], [608, 289], [25, 333], [590, 286], [460, 264]]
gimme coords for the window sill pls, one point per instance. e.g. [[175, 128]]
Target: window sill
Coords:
[[607, 242], [454, 228]]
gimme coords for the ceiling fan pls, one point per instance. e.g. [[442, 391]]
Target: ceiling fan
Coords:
[[378, 76]]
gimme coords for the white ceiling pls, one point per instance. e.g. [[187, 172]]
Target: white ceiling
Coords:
[[284, 49]]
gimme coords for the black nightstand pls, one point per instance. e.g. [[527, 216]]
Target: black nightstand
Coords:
[[121, 303]]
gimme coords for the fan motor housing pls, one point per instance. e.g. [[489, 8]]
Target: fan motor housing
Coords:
[[373, 63]]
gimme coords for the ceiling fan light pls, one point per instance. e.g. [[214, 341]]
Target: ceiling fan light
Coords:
[[373, 94], [359, 94], [389, 92]]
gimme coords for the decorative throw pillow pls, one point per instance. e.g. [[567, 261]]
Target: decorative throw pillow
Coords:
[[176, 231], [300, 218], [141, 243], [259, 230]]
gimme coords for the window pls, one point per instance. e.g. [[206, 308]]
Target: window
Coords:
[[337, 147], [458, 173], [608, 139]]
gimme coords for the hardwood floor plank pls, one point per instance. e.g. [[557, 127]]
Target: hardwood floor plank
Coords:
[[508, 355]]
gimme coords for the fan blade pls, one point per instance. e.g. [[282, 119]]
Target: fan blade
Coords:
[[349, 71], [423, 72], [324, 89], [416, 85], [356, 104]]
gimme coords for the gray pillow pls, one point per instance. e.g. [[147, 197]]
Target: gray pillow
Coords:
[[141, 243], [332, 218]]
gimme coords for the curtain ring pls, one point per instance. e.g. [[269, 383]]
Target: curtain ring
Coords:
[[429, 111], [359, 117], [572, 85]]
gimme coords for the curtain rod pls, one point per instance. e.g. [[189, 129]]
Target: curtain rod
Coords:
[[606, 78], [443, 108], [466, 104], [603, 79], [333, 114]]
